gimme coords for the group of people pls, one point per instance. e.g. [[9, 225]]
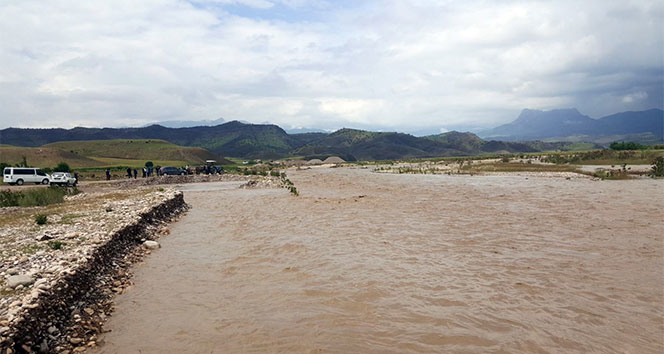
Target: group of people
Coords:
[[133, 173], [147, 172]]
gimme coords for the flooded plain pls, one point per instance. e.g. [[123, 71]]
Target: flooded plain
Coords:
[[364, 262]]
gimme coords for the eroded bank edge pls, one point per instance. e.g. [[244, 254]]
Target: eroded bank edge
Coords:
[[68, 316]]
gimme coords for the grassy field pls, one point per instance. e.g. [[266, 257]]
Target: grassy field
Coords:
[[587, 157], [136, 149], [99, 154], [604, 157], [516, 167], [43, 157], [135, 163]]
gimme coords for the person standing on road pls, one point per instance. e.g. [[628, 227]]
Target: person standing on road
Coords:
[[75, 178], [129, 172], [108, 174], [135, 173]]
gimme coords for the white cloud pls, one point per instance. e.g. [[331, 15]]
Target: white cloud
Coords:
[[635, 97], [395, 63], [260, 4]]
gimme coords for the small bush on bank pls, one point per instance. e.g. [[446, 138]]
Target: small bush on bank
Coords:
[[41, 219], [9, 198], [55, 245], [289, 185], [657, 169]]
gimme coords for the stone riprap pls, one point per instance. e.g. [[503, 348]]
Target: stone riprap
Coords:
[[57, 280]]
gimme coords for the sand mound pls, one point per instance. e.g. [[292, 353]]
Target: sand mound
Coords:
[[334, 159]]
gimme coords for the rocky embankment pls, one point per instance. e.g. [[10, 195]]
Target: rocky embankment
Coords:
[[156, 180], [57, 280]]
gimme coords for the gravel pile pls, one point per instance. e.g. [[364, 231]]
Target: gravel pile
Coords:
[[263, 183]]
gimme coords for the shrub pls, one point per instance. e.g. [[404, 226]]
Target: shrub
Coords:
[[35, 197], [149, 164], [46, 196], [55, 245], [9, 198], [62, 167], [41, 197], [23, 163], [627, 146], [41, 219], [657, 169], [612, 174]]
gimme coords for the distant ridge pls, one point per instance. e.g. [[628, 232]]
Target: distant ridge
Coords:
[[532, 131], [188, 123], [570, 125]]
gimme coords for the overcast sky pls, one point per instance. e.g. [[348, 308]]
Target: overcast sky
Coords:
[[392, 64]]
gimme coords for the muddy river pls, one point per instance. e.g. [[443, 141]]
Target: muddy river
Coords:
[[363, 262]]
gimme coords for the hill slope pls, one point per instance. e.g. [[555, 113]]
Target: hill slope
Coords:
[[242, 140], [44, 157], [570, 125], [229, 139], [108, 153], [352, 144], [137, 149]]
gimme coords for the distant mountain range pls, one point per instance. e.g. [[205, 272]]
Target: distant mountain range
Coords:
[[532, 131], [188, 123], [570, 125], [242, 140]]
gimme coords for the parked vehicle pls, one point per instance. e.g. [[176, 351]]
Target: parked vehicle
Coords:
[[63, 179], [20, 175], [171, 171]]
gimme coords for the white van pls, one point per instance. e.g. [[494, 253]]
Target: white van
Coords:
[[20, 175]]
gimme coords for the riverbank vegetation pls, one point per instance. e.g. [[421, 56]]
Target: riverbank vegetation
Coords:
[[35, 196]]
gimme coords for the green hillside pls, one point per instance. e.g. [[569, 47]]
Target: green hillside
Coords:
[[352, 144], [108, 153], [43, 157], [459, 141], [134, 149], [262, 141]]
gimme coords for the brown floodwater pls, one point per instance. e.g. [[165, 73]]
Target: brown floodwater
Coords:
[[364, 262]]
